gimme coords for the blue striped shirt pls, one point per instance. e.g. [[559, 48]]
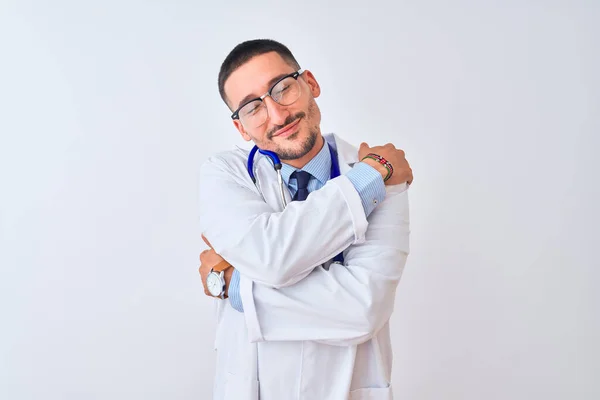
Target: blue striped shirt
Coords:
[[367, 181]]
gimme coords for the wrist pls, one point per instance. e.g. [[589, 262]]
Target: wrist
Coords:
[[377, 166], [383, 163]]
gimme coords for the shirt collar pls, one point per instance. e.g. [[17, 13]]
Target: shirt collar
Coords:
[[319, 166]]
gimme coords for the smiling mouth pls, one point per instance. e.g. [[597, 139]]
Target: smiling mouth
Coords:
[[287, 129]]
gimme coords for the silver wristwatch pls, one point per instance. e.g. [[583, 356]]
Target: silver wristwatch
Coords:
[[215, 280]]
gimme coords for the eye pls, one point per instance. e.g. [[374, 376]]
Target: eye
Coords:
[[282, 90], [251, 108]]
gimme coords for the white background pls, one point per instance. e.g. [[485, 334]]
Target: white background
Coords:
[[108, 108]]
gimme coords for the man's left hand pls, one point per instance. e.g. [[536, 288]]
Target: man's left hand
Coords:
[[208, 259]]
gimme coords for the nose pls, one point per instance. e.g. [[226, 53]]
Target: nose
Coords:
[[277, 113]]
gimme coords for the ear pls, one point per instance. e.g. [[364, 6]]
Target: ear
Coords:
[[238, 125], [312, 83]]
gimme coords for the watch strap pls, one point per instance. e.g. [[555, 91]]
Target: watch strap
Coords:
[[222, 266]]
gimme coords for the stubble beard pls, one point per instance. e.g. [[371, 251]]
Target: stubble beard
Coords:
[[307, 145]]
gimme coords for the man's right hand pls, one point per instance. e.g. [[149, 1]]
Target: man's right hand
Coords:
[[396, 157]]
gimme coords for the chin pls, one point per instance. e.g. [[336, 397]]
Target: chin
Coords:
[[297, 145]]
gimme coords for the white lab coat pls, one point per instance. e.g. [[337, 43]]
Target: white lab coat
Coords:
[[308, 332]]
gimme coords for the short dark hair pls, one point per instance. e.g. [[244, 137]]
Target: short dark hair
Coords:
[[243, 52]]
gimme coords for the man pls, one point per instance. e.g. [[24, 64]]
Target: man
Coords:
[[293, 324]]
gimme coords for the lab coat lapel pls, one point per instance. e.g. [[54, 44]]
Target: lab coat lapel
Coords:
[[347, 154]]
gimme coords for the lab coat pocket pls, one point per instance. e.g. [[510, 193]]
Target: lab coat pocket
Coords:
[[240, 388], [372, 394]]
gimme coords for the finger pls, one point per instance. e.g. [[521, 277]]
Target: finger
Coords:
[[206, 241], [363, 147]]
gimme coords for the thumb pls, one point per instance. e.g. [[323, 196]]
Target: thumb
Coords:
[[206, 241], [363, 147]]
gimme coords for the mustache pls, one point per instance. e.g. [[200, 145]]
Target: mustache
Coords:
[[288, 120]]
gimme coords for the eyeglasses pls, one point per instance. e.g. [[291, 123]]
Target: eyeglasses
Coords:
[[284, 92]]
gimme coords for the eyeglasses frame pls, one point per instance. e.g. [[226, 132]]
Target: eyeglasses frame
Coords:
[[295, 75]]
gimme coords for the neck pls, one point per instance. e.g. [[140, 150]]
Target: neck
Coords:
[[301, 162]]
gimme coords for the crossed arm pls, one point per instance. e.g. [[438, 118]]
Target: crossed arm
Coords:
[[282, 280]]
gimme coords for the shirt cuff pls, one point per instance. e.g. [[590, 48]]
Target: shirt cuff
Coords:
[[369, 184], [234, 292]]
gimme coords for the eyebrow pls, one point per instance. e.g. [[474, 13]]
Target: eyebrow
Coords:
[[269, 84]]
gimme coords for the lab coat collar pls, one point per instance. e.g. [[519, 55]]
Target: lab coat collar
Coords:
[[347, 153]]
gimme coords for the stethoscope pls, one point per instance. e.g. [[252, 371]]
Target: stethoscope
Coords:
[[335, 172]]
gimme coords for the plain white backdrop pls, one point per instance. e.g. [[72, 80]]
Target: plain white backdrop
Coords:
[[108, 108]]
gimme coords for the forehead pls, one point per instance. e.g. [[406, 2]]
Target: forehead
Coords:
[[253, 77]]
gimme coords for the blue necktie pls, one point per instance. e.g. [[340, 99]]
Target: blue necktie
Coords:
[[302, 178]]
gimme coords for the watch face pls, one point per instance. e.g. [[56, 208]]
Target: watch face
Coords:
[[214, 284]]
